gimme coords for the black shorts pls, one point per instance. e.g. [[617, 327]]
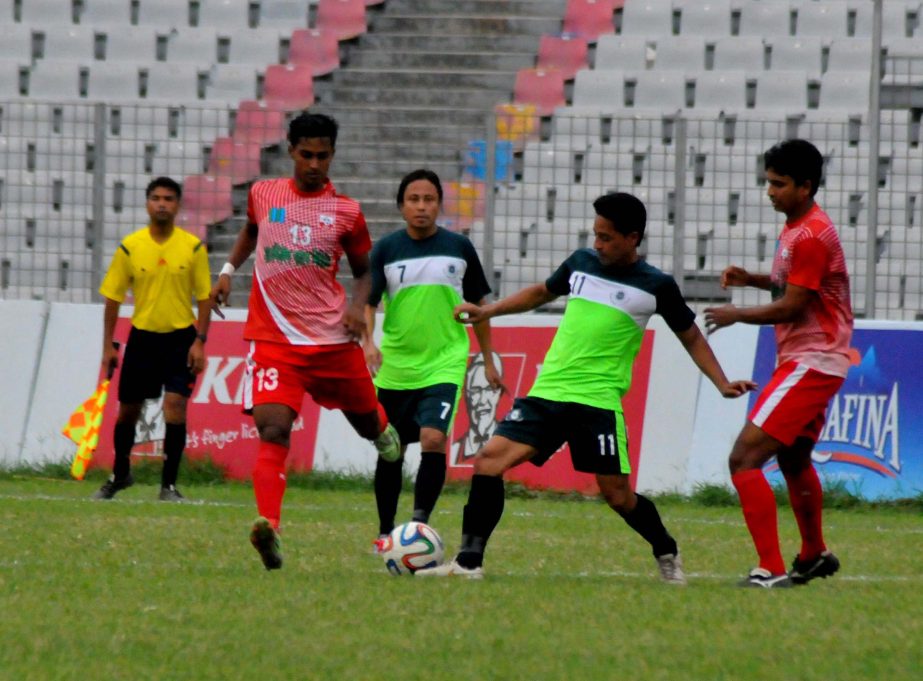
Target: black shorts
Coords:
[[156, 361], [430, 407], [597, 437]]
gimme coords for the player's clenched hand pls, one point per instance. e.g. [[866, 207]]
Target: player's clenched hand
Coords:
[[734, 276], [469, 313], [737, 388], [110, 360], [372, 356], [719, 317], [195, 360]]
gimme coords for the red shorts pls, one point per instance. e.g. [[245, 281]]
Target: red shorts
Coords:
[[794, 403], [335, 376]]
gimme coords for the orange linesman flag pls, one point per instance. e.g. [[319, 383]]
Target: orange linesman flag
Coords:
[[83, 428]]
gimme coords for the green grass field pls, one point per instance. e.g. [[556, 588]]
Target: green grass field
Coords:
[[137, 589]]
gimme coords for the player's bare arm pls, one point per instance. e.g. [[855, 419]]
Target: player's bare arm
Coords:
[[527, 299], [110, 358], [701, 353], [243, 248], [788, 308], [372, 352], [485, 342], [738, 276], [354, 319]]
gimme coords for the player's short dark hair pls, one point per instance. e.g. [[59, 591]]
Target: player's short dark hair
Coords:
[[311, 126], [625, 211], [166, 183], [799, 159], [413, 176]]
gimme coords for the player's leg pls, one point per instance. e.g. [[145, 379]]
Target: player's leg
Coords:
[[806, 496], [399, 406], [123, 440], [435, 413], [178, 384]]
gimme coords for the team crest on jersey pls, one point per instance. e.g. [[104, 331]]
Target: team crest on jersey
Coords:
[[452, 271], [785, 253], [514, 415], [327, 220], [617, 296]]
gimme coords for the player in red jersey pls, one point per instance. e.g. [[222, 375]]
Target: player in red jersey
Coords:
[[303, 334], [813, 324]]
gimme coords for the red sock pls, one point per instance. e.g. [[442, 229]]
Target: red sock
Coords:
[[269, 481], [759, 507], [382, 419], [807, 497]]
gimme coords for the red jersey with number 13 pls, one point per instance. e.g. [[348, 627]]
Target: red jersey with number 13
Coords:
[[296, 298]]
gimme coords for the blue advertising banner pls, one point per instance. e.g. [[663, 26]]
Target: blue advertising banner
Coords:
[[872, 442]]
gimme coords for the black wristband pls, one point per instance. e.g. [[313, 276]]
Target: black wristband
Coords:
[[202, 337]]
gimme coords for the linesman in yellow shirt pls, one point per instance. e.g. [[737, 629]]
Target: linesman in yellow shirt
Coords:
[[166, 268]]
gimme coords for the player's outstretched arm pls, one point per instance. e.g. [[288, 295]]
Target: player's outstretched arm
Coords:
[[738, 276], [483, 333], [527, 299], [243, 247], [701, 353], [788, 308]]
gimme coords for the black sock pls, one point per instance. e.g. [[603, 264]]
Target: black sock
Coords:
[[645, 520], [428, 486], [388, 481], [123, 439], [482, 513], [174, 442]]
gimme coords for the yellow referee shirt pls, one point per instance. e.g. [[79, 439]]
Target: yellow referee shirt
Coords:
[[163, 278]]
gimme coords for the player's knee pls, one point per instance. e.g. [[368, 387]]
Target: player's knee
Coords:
[[486, 463], [433, 442], [274, 433]]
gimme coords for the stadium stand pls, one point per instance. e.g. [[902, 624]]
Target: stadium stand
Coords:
[[565, 52], [590, 19]]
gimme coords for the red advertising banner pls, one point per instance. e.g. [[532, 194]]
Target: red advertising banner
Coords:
[[217, 427]]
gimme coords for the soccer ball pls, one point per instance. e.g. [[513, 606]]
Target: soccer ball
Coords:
[[411, 547]]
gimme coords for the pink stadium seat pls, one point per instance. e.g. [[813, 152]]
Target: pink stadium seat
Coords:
[[542, 87], [344, 18], [259, 124], [238, 161], [590, 18], [565, 52], [316, 48], [206, 200], [289, 87]]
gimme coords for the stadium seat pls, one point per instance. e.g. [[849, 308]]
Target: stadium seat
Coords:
[[15, 42], [288, 87], [475, 162], [47, 12], [462, 205], [827, 20], [895, 22], [565, 52], [50, 79], [316, 48], [223, 14], [284, 14], [605, 89], [206, 200], [605, 168], [544, 164], [660, 90], [175, 159], [255, 123], [720, 91], [846, 91], [130, 43], [231, 83], [202, 122], [129, 121], [623, 52], [542, 87], [240, 161], [850, 54], [343, 18], [796, 54], [516, 123], [193, 45], [783, 91], [764, 19], [711, 18], [68, 42], [590, 19], [747, 53], [172, 82], [166, 13], [258, 46], [680, 53], [107, 13], [648, 18]]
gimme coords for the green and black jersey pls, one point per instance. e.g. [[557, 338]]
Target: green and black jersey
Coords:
[[594, 348], [421, 281]]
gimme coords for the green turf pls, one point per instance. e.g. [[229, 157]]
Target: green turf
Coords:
[[136, 589]]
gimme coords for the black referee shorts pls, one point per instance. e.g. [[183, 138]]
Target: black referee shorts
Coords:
[[154, 362]]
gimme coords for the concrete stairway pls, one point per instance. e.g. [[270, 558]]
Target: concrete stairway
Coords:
[[412, 92]]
